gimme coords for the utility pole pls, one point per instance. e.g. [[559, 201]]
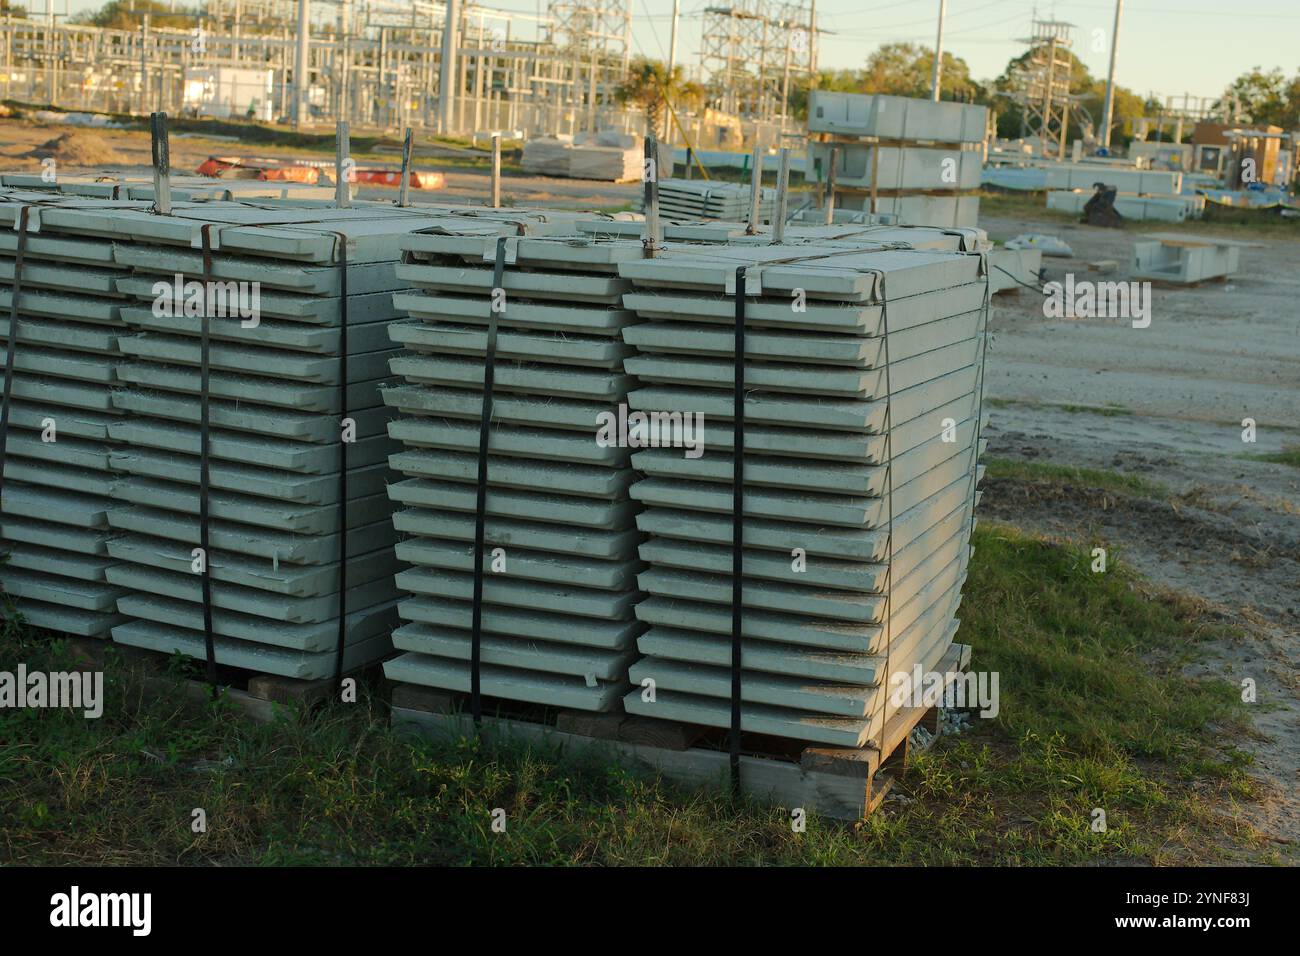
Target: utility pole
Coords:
[[938, 54], [300, 64], [672, 43], [447, 69], [144, 64], [1107, 116], [812, 42]]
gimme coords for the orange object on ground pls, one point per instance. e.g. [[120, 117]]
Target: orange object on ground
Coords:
[[234, 167], [393, 177]]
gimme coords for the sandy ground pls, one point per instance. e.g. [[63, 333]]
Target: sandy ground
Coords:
[[1213, 355], [1230, 533]]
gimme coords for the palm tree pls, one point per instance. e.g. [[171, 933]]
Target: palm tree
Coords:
[[649, 86]]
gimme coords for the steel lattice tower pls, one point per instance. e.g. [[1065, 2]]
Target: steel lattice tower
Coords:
[[754, 52], [1045, 85]]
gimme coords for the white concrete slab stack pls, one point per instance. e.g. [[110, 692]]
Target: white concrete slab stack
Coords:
[[560, 555], [862, 376], [1067, 176], [279, 541], [607, 155], [183, 188], [58, 481], [701, 199], [911, 158], [1163, 208]]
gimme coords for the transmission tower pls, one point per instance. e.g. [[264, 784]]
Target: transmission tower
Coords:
[[594, 38], [754, 52], [1045, 85]]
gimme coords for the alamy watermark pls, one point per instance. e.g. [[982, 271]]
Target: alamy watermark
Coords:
[[954, 691], [77, 909], [77, 690], [1086, 299], [624, 429], [221, 300]]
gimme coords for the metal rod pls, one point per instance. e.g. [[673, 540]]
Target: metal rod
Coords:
[[342, 167], [162, 174], [496, 170], [650, 173], [782, 198], [830, 184], [404, 194], [755, 191]]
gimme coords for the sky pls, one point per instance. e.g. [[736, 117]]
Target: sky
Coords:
[[1166, 47]]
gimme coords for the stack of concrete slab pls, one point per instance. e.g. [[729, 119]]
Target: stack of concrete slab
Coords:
[[547, 155], [863, 363], [1158, 208], [288, 388], [608, 155], [560, 554], [895, 117], [1071, 176], [850, 230], [911, 158], [183, 188], [844, 217], [58, 482], [701, 199]]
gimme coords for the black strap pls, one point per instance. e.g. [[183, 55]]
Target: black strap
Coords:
[[11, 343], [343, 461], [737, 526], [480, 512], [205, 330]]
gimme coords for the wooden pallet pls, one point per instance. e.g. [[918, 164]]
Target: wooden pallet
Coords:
[[260, 696], [839, 782]]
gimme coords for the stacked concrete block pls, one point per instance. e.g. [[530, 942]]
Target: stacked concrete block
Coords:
[[862, 370], [295, 540], [607, 155], [1137, 208], [914, 159], [560, 539], [183, 188], [1068, 176], [895, 117], [58, 481], [701, 199]]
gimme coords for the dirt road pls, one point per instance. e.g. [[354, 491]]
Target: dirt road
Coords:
[[1228, 531]]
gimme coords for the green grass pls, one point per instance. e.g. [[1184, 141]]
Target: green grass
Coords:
[[1287, 456], [1068, 474], [1013, 205], [1095, 712]]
